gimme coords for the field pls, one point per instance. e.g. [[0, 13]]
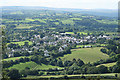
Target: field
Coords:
[[15, 58], [21, 42], [32, 66], [84, 45], [69, 32], [27, 19], [95, 45], [107, 21], [84, 33], [68, 21], [108, 64], [76, 18], [52, 28], [17, 12], [42, 21], [57, 76], [86, 54]]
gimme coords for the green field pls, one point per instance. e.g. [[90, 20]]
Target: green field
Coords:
[[15, 58], [84, 45], [108, 64], [84, 33], [69, 32], [41, 20], [21, 42], [24, 27], [107, 21], [76, 18], [68, 21], [17, 12], [95, 45], [86, 54], [32, 66], [52, 28], [57, 23], [28, 19], [57, 76], [111, 33]]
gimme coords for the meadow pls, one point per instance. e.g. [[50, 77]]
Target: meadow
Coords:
[[69, 32], [86, 54], [33, 66]]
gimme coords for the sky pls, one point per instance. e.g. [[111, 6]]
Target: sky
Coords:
[[78, 4]]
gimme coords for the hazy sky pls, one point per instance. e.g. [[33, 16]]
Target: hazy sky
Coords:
[[81, 4]]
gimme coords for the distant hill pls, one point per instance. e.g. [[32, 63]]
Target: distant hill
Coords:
[[99, 12]]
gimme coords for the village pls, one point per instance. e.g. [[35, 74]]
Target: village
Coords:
[[58, 43]]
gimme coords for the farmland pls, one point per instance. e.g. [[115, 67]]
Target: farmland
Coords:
[[86, 54], [88, 75], [40, 43], [32, 66], [15, 58]]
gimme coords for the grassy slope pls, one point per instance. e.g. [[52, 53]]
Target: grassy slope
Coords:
[[86, 54], [32, 66]]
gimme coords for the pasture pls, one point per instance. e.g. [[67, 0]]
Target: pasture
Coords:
[[86, 54], [32, 65], [69, 32], [15, 58]]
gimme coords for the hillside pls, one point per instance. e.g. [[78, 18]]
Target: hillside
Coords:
[[86, 54]]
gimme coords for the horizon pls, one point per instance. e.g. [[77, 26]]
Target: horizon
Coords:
[[64, 8], [72, 4]]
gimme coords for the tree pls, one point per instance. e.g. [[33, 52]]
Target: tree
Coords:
[[102, 69], [5, 74], [14, 74], [80, 62], [60, 63], [92, 70], [26, 43]]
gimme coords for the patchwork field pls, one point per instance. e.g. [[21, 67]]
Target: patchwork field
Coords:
[[32, 66], [86, 54]]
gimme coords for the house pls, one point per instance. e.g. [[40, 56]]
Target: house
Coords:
[[46, 53], [11, 55], [60, 49], [64, 46], [87, 46]]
